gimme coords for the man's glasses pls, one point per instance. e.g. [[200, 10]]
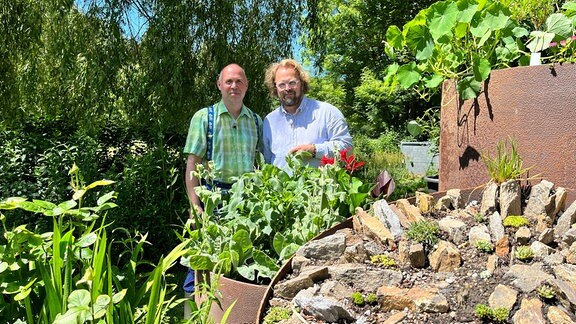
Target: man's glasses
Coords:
[[290, 85]]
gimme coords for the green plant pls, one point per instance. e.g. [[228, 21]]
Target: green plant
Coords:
[[372, 298], [524, 253], [557, 37], [427, 127], [383, 260], [546, 292], [484, 246], [462, 40], [479, 218], [424, 231], [515, 221], [486, 313], [68, 274], [277, 314], [269, 215], [357, 298], [507, 164]]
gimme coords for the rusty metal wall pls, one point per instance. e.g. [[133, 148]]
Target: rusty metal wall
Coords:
[[536, 105]]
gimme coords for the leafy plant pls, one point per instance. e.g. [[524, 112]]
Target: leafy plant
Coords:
[[424, 231], [524, 253], [515, 221], [427, 126], [507, 164], [277, 314], [372, 298], [268, 216], [486, 313], [463, 40], [546, 292], [383, 260], [68, 275], [484, 246], [357, 298]]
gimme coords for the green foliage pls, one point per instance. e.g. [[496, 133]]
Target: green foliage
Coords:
[[268, 216], [68, 274], [479, 218], [276, 314], [524, 253], [546, 292], [515, 221], [507, 164], [372, 298], [357, 298], [424, 231], [383, 260], [484, 246], [485, 313], [427, 127], [461, 40]]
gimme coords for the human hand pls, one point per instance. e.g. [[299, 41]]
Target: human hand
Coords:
[[310, 148]]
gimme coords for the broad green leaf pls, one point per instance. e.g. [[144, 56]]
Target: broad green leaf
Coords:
[[466, 9], [468, 88], [394, 37], [569, 6], [79, 298], [101, 305], [419, 40], [288, 251], [481, 68], [497, 16], [200, 262], [560, 25], [408, 75], [433, 81], [278, 242], [443, 20]]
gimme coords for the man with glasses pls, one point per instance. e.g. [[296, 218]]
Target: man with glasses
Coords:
[[300, 123]]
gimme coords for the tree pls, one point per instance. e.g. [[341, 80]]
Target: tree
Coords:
[[345, 41]]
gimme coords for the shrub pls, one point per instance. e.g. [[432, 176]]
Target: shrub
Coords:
[[424, 231]]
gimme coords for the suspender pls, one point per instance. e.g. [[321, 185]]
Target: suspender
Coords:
[[210, 132]]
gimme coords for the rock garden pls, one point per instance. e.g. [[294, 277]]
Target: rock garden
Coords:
[[500, 253]]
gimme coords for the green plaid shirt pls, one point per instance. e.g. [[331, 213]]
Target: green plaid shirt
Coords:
[[234, 143]]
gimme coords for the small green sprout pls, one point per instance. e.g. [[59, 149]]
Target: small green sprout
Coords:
[[484, 246], [383, 261], [424, 231], [524, 253], [515, 221], [357, 298], [546, 292], [479, 218]]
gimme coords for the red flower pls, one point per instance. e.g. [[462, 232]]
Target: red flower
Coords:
[[350, 162], [326, 160]]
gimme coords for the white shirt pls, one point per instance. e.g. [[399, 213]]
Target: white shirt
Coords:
[[315, 122]]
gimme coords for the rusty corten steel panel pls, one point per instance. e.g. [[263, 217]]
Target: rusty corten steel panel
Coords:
[[533, 104]]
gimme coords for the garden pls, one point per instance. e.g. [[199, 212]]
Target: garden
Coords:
[[95, 107]]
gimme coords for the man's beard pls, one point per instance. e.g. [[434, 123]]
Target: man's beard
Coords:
[[290, 100]]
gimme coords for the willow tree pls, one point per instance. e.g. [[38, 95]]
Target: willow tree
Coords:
[[77, 61]]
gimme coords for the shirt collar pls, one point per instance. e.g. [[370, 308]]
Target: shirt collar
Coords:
[[298, 110], [221, 108]]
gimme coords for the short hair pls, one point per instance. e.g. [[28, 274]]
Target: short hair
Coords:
[[285, 63]]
